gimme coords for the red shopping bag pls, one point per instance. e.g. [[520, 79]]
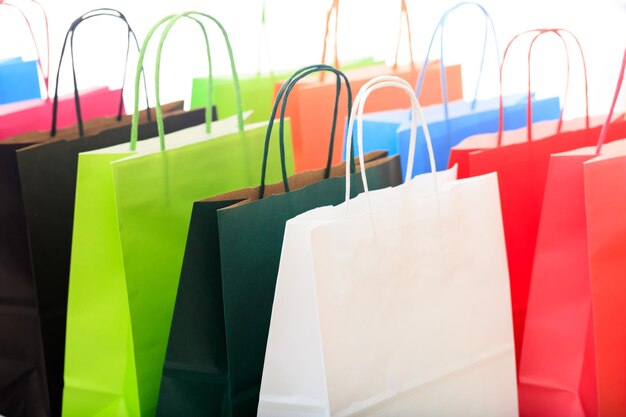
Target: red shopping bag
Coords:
[[558, 374], [605, 203], [557, 368], [32, 116], [521, 160], [306, 123]]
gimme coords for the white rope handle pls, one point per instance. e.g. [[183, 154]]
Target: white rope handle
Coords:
[[416, 110]]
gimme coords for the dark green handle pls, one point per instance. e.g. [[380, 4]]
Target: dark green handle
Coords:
[[283, 95]]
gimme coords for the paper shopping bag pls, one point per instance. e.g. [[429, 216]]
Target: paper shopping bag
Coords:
[[228, 279], [35, 115], [19, 80], [567, 351], [604, 204], [601, 182], [557, 366], [371, 282], [23, 389]]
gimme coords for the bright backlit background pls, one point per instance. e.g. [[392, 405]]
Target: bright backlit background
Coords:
[[295, 30]]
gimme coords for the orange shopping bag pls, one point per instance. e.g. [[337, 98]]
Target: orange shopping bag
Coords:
[[307, 124]]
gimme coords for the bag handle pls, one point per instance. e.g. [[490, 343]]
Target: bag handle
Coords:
[[416, 110], [172, 20], [45, 74], [607, 123], [335, 8], [264, 41], [440, 29], [101, 12], [529, 118], [404, 15], [159, 113], [283, 95]]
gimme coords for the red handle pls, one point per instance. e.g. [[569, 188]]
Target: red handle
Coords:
[[541, 32], [607, 123], [44, 74]]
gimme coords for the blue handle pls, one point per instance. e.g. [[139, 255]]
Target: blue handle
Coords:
[[440, 28]]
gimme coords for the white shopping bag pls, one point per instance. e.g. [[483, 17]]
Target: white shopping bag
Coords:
[[395, 303]]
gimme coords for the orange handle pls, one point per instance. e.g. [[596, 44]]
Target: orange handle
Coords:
[[404, 15]]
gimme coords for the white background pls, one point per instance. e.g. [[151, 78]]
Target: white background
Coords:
[[295, 31]]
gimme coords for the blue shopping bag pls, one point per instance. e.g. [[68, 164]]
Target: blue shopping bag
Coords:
[[484, 119], [19, 80]]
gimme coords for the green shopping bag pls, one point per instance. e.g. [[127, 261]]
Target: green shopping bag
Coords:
[[154, 195], [257, 90], [99, 370], [149, 193], [216, 349]]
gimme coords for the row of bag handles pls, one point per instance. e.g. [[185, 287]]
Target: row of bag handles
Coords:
[[107, 12], [333, 10]]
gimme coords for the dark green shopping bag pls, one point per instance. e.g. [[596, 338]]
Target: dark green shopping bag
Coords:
[[216, 349]]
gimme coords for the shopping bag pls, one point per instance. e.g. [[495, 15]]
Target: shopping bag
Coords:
[[557, 366], [450, 123], [372, 314], [23, 388], [520, 157], [19, 290], [604, 204], [19, 80], [569, 355], [230, 291], [605, 231], [35, 115], [309, 153], [135, 236]]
